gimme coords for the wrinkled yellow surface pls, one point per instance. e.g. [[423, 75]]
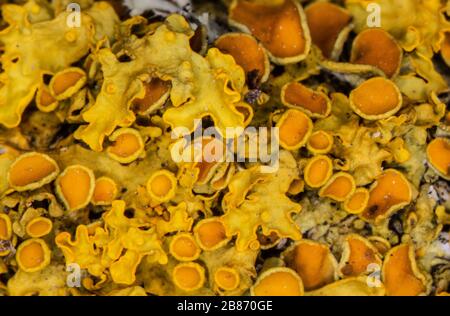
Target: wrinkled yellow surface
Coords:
[[160, 226], [419, 26], [196, 82], [349, 287], [119, 246], [256, 207], [38, 53]]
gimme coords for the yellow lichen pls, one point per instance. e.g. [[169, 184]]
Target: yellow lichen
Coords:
[[389, 193], [38, 227], [438, 155], [33, 255], [317, 171], [188, 276], [31, 171], [127, 145], [280, 26], [313, 262], [5, 231], [247, 53], [156, 93], [105, 191], [210, 233], [353, 286], [118, 246], [339, 187], [377, 48], [367, 102], [249, 204], [75, 187], [172, 155], [200, 86], [66, 83], [295, 128], [278, 282], [226, 278], [184, 247], [357, 202], [400, 273], [320, 142], [39, 52], [329, 25], [357, 256], [161, 185], [313, 103]]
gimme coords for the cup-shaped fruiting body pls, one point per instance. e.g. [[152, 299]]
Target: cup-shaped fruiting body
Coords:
[[39, 227], [5, 231], [376, 47], [357, 202], [246, 110], [297, 186], [204, 171], [127, 145], [295, 128], [156, 92], [226, 278], [8, 156], [183, 247], [75, 187], [376, 99], [400, 273], [188, 276], [358, 256], [268, 241], [161, 185], [67, 82], [45, 102], [105, 191], [31, 171], [247, 53], [313, 261], [212, 152], [329, 25], [352, 286], [278, 281], [33, 255], [298, 96], [399, 151], [438, 155], [5, 227], [210, 234], [340, 186], [390, 192], [317, 171], [320, 142], [280, 26], [223, 176]]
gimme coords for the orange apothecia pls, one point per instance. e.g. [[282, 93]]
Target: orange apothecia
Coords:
[[325, 148], [75, 186], [33, 255]]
